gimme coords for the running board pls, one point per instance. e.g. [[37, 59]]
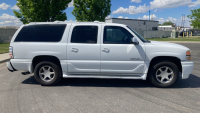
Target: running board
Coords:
[[141, 77]]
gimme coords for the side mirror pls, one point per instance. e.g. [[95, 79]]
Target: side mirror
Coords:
[[134, 41]]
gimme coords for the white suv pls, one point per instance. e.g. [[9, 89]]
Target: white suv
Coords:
[[53, 50]]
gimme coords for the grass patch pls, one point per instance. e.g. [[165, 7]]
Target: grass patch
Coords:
[[194, 38], [4, 47]]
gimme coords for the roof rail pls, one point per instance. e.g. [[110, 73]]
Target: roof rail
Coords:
[[58, 21]]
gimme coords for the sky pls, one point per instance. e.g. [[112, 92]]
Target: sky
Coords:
[[161, 10]]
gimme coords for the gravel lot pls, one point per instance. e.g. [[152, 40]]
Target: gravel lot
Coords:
[[22, 94]]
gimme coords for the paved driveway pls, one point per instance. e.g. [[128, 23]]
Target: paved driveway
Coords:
[[21, 93]]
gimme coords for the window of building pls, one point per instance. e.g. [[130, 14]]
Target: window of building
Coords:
[[154, 28]]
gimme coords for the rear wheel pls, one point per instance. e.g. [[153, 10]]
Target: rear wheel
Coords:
[[47, 73], [164, 74]]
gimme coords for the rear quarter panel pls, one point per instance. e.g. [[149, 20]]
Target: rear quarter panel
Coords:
[[28, 50]]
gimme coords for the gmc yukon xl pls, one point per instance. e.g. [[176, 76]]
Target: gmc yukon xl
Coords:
[[55, 50]]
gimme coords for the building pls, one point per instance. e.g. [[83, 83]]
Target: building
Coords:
[[146, 28], [136, 24], [6, 33], [9, 27], [166, 28]]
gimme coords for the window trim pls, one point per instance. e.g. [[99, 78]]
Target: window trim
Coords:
[[70, 41]]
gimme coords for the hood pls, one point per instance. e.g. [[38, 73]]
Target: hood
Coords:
[[166, 44]]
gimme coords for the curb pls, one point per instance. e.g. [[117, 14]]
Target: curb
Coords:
[[3, 61]]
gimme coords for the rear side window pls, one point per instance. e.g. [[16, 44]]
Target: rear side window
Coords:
[[85, 34], [41, 33]]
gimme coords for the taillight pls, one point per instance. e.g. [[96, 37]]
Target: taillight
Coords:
[[11, 52]]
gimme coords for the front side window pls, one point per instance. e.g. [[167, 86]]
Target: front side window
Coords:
[[41, 33], [85, 34], [139, 36], [116, 35]]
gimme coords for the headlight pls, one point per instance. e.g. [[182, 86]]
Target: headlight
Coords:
[[188, 55]]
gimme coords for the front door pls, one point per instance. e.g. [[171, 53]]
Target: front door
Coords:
[[118, 54], [83, 50]]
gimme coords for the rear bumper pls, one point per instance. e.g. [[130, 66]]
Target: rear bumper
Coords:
[[187, 68], [10, 67], [19, 64]]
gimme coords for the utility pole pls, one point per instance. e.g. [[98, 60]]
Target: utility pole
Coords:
[[149, 14], [182, 24], [183, 20]]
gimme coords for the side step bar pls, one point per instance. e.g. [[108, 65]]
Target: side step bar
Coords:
[[106, 76]]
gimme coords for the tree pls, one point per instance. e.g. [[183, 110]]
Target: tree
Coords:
[[195, 16], [41, 10], [169, 23], [91, 10]]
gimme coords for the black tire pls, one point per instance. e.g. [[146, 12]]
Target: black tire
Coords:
[[57, 76], [158, 65]]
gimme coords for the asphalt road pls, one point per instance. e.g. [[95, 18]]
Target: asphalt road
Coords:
[[22, 94]]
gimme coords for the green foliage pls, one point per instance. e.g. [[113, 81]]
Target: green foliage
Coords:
[[41, 10], [195, 16], [169, 23], [194, 39], [4, 47], [91, 10]]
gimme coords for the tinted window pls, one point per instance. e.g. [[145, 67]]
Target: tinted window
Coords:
[[41, 33], [116, 35], [139, 36], [84, 34]]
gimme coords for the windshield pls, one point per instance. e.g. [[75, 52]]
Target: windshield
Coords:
[[139, 36]]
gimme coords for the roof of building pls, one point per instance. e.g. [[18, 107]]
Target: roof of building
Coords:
[[131, 19], [9, 27], [165, 26]]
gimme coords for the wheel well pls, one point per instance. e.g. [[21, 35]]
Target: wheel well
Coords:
[[175, 60], [42, 58]]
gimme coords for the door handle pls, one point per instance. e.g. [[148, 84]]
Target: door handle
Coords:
[[74, 50], [106, 50]]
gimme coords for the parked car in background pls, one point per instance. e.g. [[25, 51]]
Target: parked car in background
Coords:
[[55, 50]]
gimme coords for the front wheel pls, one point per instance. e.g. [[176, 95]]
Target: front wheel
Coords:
[[164, 74], [47, 73]]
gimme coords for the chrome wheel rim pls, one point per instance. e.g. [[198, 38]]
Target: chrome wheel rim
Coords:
[[164, 74], [47, 73]]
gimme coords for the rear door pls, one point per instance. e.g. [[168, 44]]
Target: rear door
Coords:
[[83, 50]]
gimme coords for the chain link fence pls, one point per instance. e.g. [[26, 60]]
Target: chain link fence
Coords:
[[155, 34]]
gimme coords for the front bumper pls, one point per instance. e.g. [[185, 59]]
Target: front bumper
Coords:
[[10, 67], [187, 68]]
